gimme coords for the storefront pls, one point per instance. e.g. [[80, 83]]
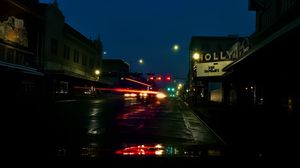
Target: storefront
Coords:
[[267, 76]]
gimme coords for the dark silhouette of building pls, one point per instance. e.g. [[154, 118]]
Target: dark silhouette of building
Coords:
[[70, 60], [21, 39], [114, 70], [41, 55], [266, 76]]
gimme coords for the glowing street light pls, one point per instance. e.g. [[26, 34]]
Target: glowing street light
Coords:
[[97, 72], [196, 56], [179, 87], [141, 61], [176, 47]]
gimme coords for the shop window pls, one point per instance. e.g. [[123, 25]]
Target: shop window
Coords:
[[62, 87]]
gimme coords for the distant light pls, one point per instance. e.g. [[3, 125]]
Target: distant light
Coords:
[[159, 152], [97, 72], [161, 95], [127, 95], [168, 78], [141, 61], [176, 47], [143, 94], [130, 95], [158, 146], [196, 56], [141, 150], [133, 95], [179, 86], [104, 52]]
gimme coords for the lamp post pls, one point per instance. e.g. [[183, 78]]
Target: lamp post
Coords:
[[97, 74], [193, 59], [175, 47], [141, 61], [196, 56]]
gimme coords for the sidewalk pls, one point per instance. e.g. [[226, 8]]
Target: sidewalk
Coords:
[[217, 116], [253, 133]]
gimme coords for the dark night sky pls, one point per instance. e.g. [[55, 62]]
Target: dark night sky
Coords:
[[134, 29]]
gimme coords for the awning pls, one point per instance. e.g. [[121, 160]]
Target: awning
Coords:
[[289, 27], [21, 68]]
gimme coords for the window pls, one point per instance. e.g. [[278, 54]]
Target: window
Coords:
[[84, 59], [76, 56], [91, 63], [54, 47], [66, 52]]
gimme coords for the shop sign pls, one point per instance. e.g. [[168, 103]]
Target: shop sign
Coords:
[[13, 30]]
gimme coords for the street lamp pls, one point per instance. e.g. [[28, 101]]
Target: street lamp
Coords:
[[141, 61], [196, 56], [135, 64], [97, 73], [175, 47]]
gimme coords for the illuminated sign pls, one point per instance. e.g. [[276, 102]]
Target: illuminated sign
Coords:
[[236, 51], [212, 64], [13, 30], [211, 68]]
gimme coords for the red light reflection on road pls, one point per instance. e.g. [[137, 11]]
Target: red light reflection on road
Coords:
[[155, 150], [128, 90], [125, 90]]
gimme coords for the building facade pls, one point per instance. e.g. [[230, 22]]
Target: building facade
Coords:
[[206, 75], [114, 70], [266, 76], [21, 36], [70, 59]]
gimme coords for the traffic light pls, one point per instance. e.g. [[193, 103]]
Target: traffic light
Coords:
[[159, 78], [171, 89], [168, 78], [151, 78]]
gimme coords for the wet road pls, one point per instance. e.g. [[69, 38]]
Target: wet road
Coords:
[[116, 125]]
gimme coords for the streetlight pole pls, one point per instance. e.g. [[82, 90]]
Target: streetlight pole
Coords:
[[97, 73], [193, 57]]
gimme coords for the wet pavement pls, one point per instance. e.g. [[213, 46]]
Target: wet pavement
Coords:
[[97, 128]]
